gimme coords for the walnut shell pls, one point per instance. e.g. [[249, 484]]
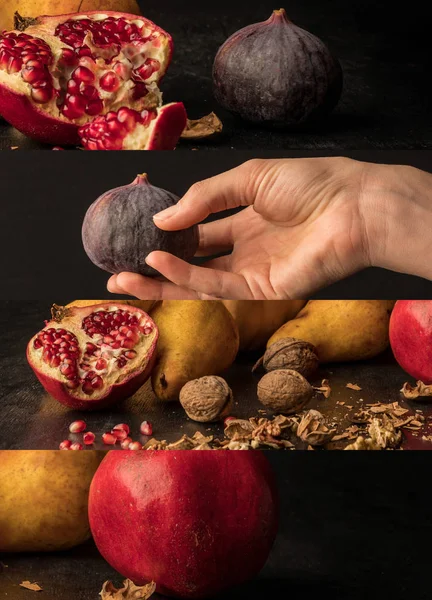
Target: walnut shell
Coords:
[[290, 353], [206, 399], [284, 391]]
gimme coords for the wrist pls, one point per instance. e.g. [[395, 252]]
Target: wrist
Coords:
[[396, 209]]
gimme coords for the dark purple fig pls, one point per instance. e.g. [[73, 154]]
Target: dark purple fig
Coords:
[[276, 73], [118, 231]]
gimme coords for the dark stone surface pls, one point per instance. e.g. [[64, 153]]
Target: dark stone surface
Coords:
[[36, 421], [45, 197], [352, 525], [384, 52]]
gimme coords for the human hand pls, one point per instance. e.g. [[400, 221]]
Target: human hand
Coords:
[[308, 223]]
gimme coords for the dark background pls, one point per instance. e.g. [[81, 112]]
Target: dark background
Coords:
[[45, 197], [384, 50], [352, 526]]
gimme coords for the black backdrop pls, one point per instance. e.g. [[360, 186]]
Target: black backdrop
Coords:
[[45, 196]]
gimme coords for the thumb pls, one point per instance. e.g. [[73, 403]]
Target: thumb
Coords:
[[231, 189]]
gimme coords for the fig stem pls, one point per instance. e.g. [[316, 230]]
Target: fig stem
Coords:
[[141, 179], [280, 15]]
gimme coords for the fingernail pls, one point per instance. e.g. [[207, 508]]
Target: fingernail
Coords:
[[166, 214], [148, 259]]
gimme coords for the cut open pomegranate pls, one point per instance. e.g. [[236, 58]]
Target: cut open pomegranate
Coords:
[[64, 71], [89, 357]]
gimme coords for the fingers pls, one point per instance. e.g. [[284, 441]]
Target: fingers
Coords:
[[204, 281], [216, 237], [147, 288], [228, 190]]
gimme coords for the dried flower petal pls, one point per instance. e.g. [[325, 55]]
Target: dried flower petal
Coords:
[[420, 390], [34, 587], [202, 128], [325, 388], [313, 430], [129, 591], [353, 386]]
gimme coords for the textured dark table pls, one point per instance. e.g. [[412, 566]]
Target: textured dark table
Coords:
[[352, 525], [31, 419], [384, 54]]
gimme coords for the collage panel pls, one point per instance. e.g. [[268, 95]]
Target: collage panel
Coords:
[[261, 262]]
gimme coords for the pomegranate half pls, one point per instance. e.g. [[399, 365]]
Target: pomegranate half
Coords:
[[196, 523], [89, 357], [411, 337], [64, 71]]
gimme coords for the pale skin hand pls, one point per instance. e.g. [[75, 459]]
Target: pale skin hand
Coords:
[[308, 223]]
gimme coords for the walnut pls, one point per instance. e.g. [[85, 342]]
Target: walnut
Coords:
[[290, 353], [313, 429], [418, 391], [206, 399], [382, 435], [284, 391]]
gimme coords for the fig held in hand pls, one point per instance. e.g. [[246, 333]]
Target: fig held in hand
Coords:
[[118, 230]]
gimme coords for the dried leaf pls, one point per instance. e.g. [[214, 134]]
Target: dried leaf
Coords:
[[184, 443], [313, 430], [34, 587], [129, 591], [202, 128], [420, 390], [324, 389], [353, 386]]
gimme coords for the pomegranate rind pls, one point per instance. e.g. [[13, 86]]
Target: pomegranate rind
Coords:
[[39, 121], [165, 131], [25, 116], [128, 386]]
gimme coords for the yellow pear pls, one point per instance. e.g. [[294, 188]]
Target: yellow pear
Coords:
[[43, 499], [37, 8], [145, 305], [258, 319], [196, 338], [341, 330]]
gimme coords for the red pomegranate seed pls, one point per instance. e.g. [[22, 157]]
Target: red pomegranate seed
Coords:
[[83, 74], [149, 67], [109, 439], [126, 443], [109, 82], [65, 445], [101, 364], [77, 427], [88, 438], [146, 428], [87, 387], [135, 446], [122, 427], [42, 95], [119, 434], [76, 446]]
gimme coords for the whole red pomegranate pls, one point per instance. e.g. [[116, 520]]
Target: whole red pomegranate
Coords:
[[411, 337], [196, 523], [89, 78], [88, 357]]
